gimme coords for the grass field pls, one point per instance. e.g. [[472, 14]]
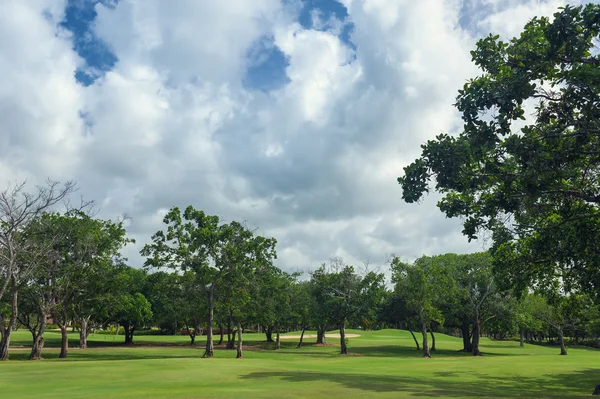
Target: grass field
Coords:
[[382, 364]]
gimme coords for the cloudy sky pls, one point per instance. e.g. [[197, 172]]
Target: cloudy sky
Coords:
[[296, 116]]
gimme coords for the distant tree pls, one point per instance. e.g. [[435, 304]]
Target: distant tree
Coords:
[[560, 312], [300, 303], [216, 253], [347, 295], [421, 285], [134, 311]]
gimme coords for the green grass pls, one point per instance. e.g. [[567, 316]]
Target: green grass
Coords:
[[385, 364]]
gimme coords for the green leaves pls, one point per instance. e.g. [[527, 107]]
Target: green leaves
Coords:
[[537, 183]]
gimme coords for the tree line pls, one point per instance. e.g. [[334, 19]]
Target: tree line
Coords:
[[203, 275]]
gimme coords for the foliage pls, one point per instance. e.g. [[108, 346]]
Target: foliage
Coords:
[[532, 183]]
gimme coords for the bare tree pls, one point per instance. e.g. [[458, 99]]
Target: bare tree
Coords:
[[17, 208]]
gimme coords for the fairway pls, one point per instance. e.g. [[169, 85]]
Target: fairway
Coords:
[[381, 364]]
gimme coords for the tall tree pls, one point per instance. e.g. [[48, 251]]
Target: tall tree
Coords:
[[17, 208], [347, 295], [421, 285], [215, 252], [132, 309], [534, 183], [76, 266]]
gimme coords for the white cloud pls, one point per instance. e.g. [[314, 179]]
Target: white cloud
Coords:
[[313, 163]]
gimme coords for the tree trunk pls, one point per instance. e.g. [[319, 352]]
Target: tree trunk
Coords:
[[522, 338], [7, 331], [466, 336], [277, 341], [563, 348], [432, 340], [83, 333], [269, 333], [38, 337], [415, 338], [191, 333], [36, 349], [221, 338], [301, 337], [476, 335], [321, 335], [344, 348], [239, 341], [209, 351], [231, 343], [426, 352], [64, 343], [129, 330]]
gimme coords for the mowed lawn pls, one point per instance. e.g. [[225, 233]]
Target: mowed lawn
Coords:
[[381, 364]]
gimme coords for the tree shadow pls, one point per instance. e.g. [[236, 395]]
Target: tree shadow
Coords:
[[568, 385], [102, 354], [404, 351]]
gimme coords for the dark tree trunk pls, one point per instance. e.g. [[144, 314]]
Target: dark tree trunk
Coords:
[[83, 332], [231, 342], [321, 335], [466, 336], [522, 338], [191, 332], [415, 338], [426, 352], [269, 333], [301, 337], [221, 338], [64, 343], [209, 351], [277, 341], [476, 335], [12, 321], [563, 348], [239, 341], [129, 330], [344, 348], [432, 340]]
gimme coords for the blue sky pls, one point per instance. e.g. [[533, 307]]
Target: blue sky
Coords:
[[296, 116], [266, 69]]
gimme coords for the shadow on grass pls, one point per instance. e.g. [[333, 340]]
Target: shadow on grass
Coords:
[[446, 384], [101, 354], [404, 351]]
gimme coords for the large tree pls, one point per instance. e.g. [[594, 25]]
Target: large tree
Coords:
[[347, 295], [421, 285], [215, 252], [73, 271], [530, 181], [18, 206]]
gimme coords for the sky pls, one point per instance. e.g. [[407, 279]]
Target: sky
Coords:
[[295, 116]]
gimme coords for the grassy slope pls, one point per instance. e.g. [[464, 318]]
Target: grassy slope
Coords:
[[386, 365]]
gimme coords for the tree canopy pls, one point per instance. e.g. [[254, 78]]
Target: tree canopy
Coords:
[[532, 182]]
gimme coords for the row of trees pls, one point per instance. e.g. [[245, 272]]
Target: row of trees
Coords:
[[460, 293], [66, 268]]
